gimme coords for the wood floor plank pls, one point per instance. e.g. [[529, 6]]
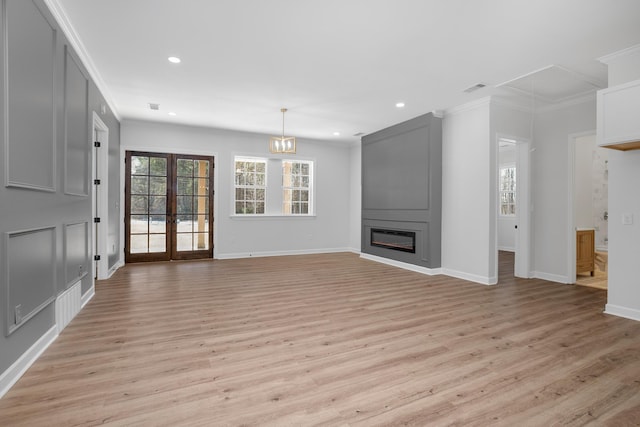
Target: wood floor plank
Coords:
[[332, 340]]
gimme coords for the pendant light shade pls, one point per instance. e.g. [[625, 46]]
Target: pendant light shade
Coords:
[[282, 144]]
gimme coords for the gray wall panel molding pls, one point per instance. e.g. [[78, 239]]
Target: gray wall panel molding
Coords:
[[30, 274], [402, 187], [76, 252], [76, 126], [29, 80]]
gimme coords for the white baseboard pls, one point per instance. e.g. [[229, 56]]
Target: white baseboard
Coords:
[[20, 366], [115, 268], [404, 265], [88, 295], [551, 277], [627, 313], [483, 280], [281, 253]]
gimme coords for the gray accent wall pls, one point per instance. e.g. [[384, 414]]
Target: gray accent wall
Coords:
[[46, 122], [402, 187]]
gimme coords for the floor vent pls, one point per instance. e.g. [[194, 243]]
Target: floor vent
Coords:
[[68, 304]]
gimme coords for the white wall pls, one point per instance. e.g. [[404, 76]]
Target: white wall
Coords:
[[624, 198], [550, 178], [466, 189], [329, 230]]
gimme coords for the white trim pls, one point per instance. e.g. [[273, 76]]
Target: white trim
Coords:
[[551, 277], [240, 255], [20, 366], [100, 157], [87, 296], [506, 248], [468, 106], [403, 265], [627, 313], [60, 15], [571, 235], [483, 280], [115, 268], [607, 59]]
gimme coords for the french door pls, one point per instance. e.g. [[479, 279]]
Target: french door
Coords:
[[168, 206]]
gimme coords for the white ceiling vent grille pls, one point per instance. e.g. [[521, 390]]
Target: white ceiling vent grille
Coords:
[[154, 106], [475, 87]]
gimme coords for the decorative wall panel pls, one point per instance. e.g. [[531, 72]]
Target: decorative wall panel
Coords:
[[76, 252], [30, 274], [30, 97], [76, 121]]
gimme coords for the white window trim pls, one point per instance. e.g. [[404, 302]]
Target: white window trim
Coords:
[[311, 201], [241, 158]]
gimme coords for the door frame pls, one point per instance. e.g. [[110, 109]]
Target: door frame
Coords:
[[171, 251], [523, 250], [571, 219], [100, 201]]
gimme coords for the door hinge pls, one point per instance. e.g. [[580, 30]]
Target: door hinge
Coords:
[[96, 182], [96, 220], [96, 257], [96, 144]]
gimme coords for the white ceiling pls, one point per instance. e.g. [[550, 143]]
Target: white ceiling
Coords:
[[337, 65]]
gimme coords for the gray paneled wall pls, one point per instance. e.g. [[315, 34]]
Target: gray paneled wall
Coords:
[[46, 120], [402, 187]]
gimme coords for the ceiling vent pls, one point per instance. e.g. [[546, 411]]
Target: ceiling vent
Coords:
[[154, 106], [475, 87]]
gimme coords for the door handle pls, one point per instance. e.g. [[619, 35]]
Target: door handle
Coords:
[[516, 227]]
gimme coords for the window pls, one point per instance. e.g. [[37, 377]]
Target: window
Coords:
[[250, 186], [508, 191], [296, 187]]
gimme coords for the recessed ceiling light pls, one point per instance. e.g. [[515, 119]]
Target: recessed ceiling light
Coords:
[[171, 113], [336, 134], [174, 59], [399, 104]]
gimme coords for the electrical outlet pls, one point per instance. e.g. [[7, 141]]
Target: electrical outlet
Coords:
[[80, 268], [18, 313]]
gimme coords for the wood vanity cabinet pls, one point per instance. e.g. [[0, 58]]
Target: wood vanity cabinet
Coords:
[[585, 251]]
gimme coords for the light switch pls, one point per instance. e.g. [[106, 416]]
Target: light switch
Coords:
[[627, 218]]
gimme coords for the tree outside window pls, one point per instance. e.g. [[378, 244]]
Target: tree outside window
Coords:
[[508, 191]]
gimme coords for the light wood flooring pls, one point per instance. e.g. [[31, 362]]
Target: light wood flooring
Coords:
[[332, 340]]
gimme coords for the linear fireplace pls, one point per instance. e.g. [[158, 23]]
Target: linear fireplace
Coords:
[[404, 241]]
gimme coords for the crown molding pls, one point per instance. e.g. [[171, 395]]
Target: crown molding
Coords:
[[607, 59], [59, 14], [468, 106]]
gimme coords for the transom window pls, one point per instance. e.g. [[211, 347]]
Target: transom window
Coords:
[[296, 187], [508, 191], [250, 186]]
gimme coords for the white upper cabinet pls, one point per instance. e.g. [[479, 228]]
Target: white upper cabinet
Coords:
[[619, 116]]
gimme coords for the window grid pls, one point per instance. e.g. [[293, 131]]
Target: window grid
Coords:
[[508, 191], [250, 186], [296, 186]]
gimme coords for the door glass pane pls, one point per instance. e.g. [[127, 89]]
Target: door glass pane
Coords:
[[157, 242], [185, 186], [158, 224], [157, 205], [139, 185], [139, 204], [185, 167], [185, 223], [201, 168], [158, 185], [184, 204], [158, 166], [138, 243], [201, 241], [139, 224], [185, 242], [201, 223], [202, 205], [139, 165]]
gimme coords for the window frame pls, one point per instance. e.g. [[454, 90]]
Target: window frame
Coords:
[[254, 186], [300, 188]]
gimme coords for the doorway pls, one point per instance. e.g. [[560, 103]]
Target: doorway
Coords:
[[168, 206], [588, 211], [513, 216]]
